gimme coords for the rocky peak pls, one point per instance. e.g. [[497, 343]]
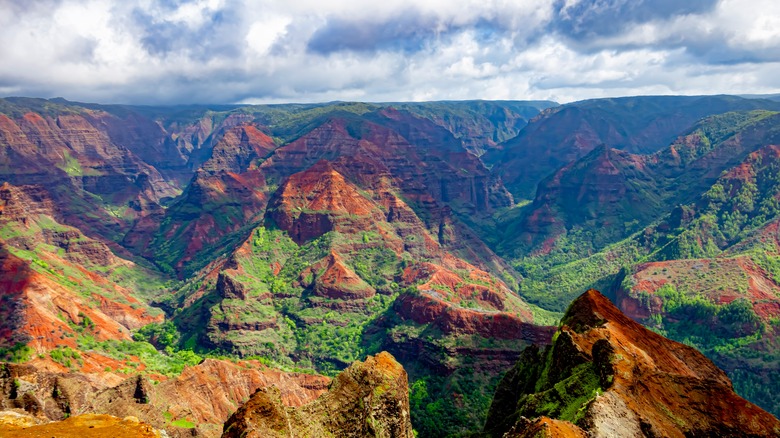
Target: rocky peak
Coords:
[[332, 278], [368, 399], [318, 200], [610, 376]]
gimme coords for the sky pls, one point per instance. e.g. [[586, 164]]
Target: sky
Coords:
[[257, 51]]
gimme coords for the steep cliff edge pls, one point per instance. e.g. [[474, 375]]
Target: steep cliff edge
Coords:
[[608, 375], [368, 399]]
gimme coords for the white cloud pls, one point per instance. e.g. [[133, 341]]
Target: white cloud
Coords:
[[264, 34], [143, 51]]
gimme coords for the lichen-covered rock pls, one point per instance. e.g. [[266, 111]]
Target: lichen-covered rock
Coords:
[[610, 376], [368, 399]]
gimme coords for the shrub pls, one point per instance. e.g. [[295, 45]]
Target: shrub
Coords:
[[18, 353]]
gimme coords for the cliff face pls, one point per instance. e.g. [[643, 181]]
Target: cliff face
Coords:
[[56, 281], [350, 245], [318, 200], [402, 145], [203, 396], [43, 313], [417, 159], [45, 149], [602, 191], [368, 399], [607, 374], [59, 288]]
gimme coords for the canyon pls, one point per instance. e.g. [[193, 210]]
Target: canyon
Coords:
[[255, 266]]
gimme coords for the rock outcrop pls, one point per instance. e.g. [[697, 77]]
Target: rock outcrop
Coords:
[[199, 400], [333, 279], [42, 312], [226, 193], [368, 399], [610, 376]]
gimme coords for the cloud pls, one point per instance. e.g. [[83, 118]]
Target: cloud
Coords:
[[409, 31], [187, 51], [585, 19]]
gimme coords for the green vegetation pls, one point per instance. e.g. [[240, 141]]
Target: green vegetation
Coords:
[[183, 423], [47, 259], [571, 278], [169, 362], [762, 388], [728, 334], [162, 335], [698, 320], [66, 356], [270, 304], [16, 107], [452, 405], [717, 221], [71, 165], [566, 399], [17, 353]]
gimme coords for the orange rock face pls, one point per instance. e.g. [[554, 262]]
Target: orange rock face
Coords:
[[211, 391], [741, 278], [40, 309], [45, 150], [86, 425], [647, 385], [545, 428], [54, 282], [451, 319]]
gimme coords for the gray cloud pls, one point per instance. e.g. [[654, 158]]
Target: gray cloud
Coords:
[[586, 19], [408, 31], [216, 36]]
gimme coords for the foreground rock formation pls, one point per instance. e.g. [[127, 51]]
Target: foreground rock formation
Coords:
[[368, 399], [90, 425], [197, 402], [606, 375]]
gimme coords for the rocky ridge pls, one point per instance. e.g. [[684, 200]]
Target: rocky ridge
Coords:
[[368, 399], [609, 375]]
